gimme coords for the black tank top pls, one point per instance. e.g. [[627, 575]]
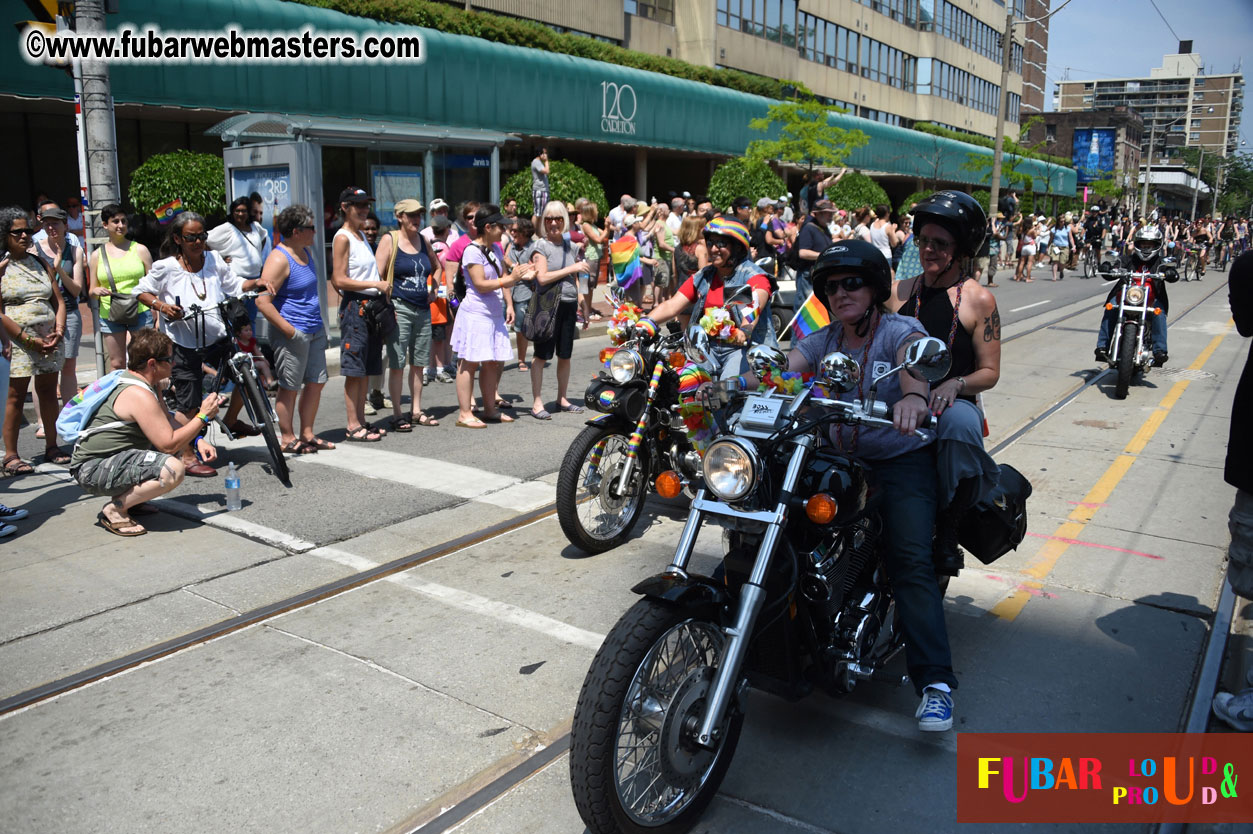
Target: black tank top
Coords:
[[937, 318]]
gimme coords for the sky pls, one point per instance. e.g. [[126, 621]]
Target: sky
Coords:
[[1127, 38]]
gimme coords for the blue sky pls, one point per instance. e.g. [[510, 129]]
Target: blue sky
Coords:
[[1127, 38]]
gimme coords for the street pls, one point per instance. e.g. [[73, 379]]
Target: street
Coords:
[[440, 695]]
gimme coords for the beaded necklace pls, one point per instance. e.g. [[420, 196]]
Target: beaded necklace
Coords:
[[917, 299], [861, 380]]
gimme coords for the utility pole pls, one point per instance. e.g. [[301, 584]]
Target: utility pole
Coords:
[[1002, 114], [1200, 168], [1148, 172]]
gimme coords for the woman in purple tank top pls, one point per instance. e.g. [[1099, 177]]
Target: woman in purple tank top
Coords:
[[294, 311]]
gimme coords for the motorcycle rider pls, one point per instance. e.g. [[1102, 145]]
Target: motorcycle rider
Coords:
[[953, 306], [1146, 256], [730, 268], [854, 281]]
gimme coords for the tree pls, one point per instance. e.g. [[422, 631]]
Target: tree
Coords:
[[805, 135], [744, 177], [1016, 153], [567, 182], [1237, 191], [198, 179]]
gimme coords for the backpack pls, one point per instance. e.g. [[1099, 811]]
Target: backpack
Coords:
[[78, 413]]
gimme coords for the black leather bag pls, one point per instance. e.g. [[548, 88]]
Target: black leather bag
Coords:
[[540, 322], [380, 315], [998, 523]]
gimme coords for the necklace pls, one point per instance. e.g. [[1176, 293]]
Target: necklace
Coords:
[[861, 381], [917, 299], [203, 292]]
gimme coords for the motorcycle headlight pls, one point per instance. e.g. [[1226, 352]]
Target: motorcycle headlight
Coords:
[[625, 365], [731, 469], [1135, 295]]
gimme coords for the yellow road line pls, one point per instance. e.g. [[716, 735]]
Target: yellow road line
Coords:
[[1052, 549]]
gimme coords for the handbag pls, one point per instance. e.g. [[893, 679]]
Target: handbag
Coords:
[[540, 322], [998, 523], [379, 311], [123, 306]]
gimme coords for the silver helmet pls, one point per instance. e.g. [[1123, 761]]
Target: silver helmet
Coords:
[[1148, 242]]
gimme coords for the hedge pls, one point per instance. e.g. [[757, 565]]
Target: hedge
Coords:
[[566, 182], [198, 179], [743, 177], [499, 29]]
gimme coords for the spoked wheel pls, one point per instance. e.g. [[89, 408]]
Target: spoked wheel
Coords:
[[1127, 348], [595, 515], [634, 764], [1089, 262], [263, 417]]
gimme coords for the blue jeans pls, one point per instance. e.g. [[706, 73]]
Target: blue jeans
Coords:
[[909, 485], [1157, 329]]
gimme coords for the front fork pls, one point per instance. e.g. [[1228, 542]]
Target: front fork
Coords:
[[633, 444], [752, 592]]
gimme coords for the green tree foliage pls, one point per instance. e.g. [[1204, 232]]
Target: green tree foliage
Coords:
[[805, 135], [1010, 146], [499, 29], [983, 197], [981, 164], [1110, 190], [567, 182], [1236, 197], [916, 197], [744, 177], [198, 179], [855, 190]]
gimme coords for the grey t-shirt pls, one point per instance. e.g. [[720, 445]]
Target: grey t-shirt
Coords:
[[873, 443], [560, 256], [539, 180]]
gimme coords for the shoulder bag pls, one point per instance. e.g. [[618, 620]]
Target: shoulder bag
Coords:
[[123, 306], [380, 312], [540, 322]]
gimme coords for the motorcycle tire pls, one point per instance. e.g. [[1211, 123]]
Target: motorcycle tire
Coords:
[[596, 518], [632, 769], [1127, 347]]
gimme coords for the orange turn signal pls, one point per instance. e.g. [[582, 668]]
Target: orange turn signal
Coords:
[[821, 508], [1109, 306], [668, 484], [1157, 311]]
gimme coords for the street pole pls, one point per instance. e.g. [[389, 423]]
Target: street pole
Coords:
[[1002, 114], [1148, 173], [1200, 168]]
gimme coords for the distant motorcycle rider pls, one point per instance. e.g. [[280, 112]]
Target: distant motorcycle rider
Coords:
[[1146, 256]]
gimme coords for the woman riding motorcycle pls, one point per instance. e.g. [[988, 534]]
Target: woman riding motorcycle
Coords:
[[854, 280], [1146, 256], [729, 270], [953, 306]]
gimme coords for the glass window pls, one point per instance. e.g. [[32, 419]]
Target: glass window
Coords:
[[772, 19], [787, 27], [722, 13]]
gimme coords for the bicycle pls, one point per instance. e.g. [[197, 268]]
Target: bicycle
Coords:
[[1091, 258], [1223, 254], [238, 367], [1192, 263]]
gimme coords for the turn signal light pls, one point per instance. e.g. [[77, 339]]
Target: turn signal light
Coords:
[[821, 508], [668, 484], [1157, 311], [1109, 306]]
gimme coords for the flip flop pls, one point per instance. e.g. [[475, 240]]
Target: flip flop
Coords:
[[299, 447], [522, 366], [54, 455], [424, 419], [478, 424], [120, 528], [542, 414], [363, 435], [319, 443]]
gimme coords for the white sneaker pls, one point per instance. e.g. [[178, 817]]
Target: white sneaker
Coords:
[[369, 409], [10, 514]]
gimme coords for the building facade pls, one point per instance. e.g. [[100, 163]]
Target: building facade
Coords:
[[1119, 132]]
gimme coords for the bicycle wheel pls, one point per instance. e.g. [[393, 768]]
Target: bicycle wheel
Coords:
[[262, 415]]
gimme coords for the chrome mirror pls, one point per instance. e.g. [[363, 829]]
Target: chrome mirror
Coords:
[[928, 359], [839, 372], [763, 359], [696, 345]]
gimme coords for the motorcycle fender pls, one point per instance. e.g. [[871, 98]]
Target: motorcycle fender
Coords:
[[689, 592], [610, 421]]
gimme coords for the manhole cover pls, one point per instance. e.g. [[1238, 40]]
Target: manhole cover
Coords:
[[1185, 373]]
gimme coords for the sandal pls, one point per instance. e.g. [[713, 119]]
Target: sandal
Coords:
[[299, 447], [477, 424], [54, 455], [522, 366], [320, 444], [498, 418], [572, 408], [16, 466], [127, 528], [364, 435], [377, 429], [144, 509], [401, 424], [542, 414], [424, 419]]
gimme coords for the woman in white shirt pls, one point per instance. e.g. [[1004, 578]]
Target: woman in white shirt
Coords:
[[189, 275], [243, 244]]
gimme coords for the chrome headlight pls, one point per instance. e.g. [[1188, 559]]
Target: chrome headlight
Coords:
[[1135, 296], [731, 469], [625, 365]]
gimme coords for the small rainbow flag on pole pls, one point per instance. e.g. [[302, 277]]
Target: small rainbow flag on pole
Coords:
[[166, 213], [811, 318], [624, 254]]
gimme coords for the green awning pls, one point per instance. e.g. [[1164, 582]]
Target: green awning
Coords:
[[465, 84]]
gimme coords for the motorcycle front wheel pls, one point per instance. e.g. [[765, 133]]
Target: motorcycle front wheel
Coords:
[[634, 766], [595, 516], [1128, 345]]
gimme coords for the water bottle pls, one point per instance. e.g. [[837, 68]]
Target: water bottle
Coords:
[[233, 501]]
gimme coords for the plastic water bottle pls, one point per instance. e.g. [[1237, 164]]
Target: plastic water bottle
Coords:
[[233, 501]]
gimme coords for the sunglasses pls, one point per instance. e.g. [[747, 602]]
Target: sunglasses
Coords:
[[169, 358], [925, 242], [718, 241], [194, 238], [849, 283], [20, 232]]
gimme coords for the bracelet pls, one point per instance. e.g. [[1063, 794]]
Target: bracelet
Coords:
[[919, 396], [962, 380], [204, 417]]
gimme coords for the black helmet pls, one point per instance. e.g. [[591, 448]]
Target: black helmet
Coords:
[[958, 212], [855, 256]]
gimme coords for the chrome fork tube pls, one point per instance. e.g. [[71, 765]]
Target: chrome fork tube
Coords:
[[687, 539], [752, 595]]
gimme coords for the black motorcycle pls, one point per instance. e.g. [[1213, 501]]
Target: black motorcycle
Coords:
[[801, 599]]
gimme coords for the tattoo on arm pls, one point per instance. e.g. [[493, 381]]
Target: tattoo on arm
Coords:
[[992, 326]]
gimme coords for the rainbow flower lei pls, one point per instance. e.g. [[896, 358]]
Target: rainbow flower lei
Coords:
[[717, 322], [785, 382], [622, 322]]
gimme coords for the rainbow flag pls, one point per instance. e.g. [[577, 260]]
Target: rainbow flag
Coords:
[[166, 213], [624, 254], [811, 318]]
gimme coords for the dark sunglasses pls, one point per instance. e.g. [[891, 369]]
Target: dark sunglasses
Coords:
[[718, 241], [169, 358], [850, 283], [193, 238], [20, 232]]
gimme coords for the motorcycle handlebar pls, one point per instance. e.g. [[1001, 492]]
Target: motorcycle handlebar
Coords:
[[876, 417]]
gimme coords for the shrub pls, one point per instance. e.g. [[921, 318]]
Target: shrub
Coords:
[[983, 197], [856, 190], [198, 179], [743, 177], [566, 182], [916, 197]]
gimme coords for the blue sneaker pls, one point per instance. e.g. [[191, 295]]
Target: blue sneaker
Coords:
[[7, 530], [935, 713], [10, 514]]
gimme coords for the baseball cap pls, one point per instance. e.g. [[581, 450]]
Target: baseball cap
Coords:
[[353, 194], [438, 203], [765, 202], [686, 195], [53, 213], [408, 206], [440, 222], [823, 205]]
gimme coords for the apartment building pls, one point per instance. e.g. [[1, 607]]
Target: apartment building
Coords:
[[1182, 106]]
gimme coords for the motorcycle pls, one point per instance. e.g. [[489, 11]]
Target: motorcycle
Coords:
[[801, 599], [1131, 343]]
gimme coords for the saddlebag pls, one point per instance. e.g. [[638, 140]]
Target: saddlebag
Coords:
[[998, 523]]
